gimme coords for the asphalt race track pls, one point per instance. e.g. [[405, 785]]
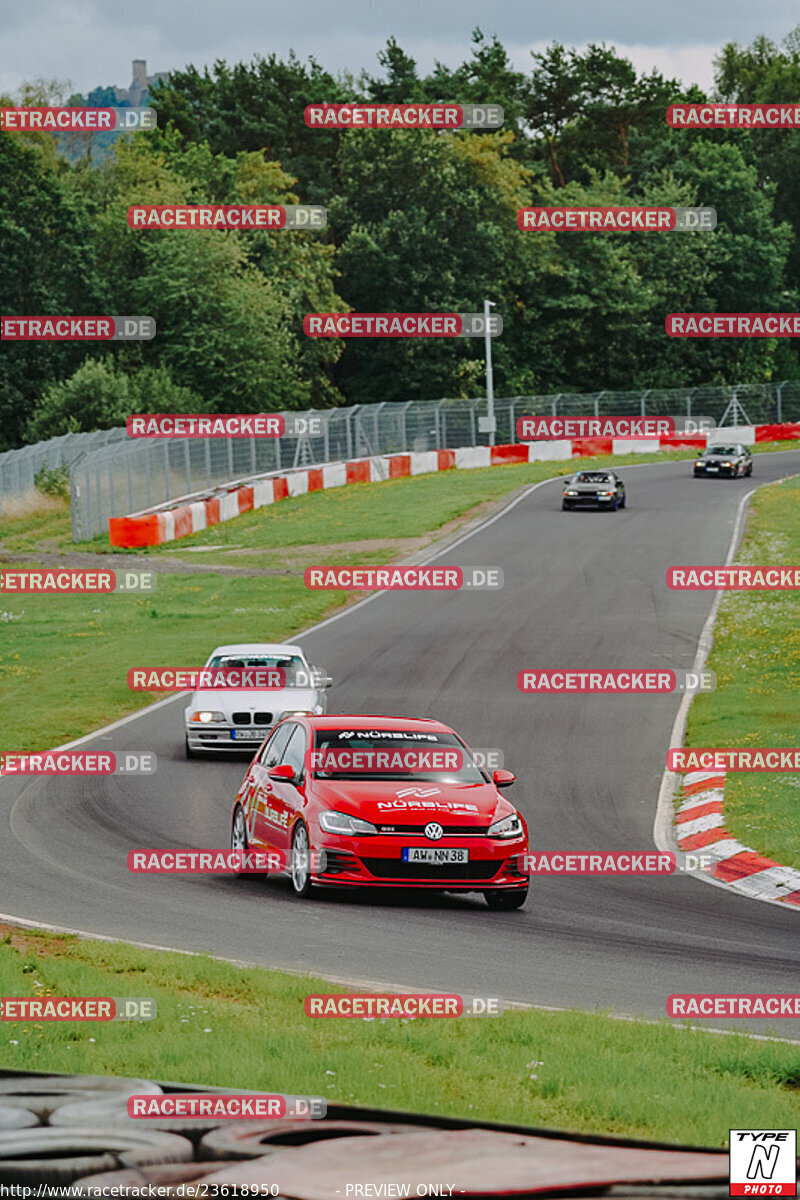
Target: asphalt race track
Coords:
[[581, 590]]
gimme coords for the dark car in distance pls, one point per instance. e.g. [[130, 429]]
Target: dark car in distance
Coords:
[[594, 489], [731, 459]]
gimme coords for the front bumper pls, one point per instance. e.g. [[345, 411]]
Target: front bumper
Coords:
[[376, 861], [218, 737], [703, 472], [588, 501]]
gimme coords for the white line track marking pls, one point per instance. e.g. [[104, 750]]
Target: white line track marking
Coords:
[[372, 985]]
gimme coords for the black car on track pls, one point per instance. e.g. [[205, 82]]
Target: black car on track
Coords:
[[730, 459], [594, 489]]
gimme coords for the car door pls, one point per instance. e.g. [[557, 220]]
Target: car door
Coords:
[[262, 830], [284, 799]]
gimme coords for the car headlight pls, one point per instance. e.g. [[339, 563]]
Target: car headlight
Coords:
[[571, 492], [727, 464], [508, 827], [605, 493], [338, 822], [298, 712], [698, 462], [206, 717]]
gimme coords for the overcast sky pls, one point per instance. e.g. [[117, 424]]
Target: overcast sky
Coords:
[[92, 42]]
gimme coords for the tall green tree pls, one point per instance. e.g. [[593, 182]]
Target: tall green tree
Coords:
[[49, 267]]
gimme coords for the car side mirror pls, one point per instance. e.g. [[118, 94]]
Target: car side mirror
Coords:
[[283, 773], [319, 679], [503, 779]]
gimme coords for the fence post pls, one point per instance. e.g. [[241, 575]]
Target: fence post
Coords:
[[148, 495], [512, 429], [167, 488], [555, 403], [472, 430], [351, 416], [437, 425], [779, 411], [406, 407], [188, 464], [597, 402], [643, 405]]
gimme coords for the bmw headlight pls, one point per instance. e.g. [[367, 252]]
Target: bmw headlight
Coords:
[[206, 718], [338, 822], [508, 827], [298, 712], [571, 492]]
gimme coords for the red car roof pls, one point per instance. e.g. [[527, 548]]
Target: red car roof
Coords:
[[359, 721]]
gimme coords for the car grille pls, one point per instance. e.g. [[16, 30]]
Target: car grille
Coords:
[[449, 830], [393, 868], [259, 718]]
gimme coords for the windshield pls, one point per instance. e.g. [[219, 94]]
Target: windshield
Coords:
[[393, 754], [592, 477], [295, 670], [721, 450]]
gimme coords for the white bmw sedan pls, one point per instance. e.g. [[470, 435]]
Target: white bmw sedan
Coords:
[[228, 717]]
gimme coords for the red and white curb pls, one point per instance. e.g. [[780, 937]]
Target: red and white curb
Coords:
[[191, 514], [700, 830]]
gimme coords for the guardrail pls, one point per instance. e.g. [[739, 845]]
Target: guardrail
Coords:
[[113, 476]]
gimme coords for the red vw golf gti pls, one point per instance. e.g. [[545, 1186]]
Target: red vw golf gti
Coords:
[[381, 802]]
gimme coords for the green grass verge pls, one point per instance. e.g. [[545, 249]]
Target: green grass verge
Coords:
[[245, 1027], [756, 655]]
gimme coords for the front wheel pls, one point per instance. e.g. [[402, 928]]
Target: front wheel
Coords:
[[622, 502], [301, 862], [506, 901], [189, 751]]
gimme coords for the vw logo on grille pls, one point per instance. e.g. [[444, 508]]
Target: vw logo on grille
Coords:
[[433, 831]]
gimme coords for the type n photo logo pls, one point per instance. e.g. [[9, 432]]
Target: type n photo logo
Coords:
[[763, 1162]]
